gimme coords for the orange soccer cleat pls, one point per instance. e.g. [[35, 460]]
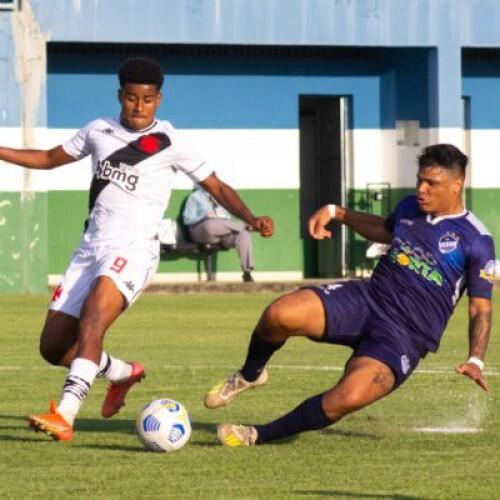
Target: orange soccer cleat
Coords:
[[53, 424], [115, 397]]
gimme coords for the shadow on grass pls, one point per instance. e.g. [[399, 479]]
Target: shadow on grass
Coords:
[[348, 494], [84, 424], [128, 427], [114, 447], [104, 425], [6, 437], [13, 417], [350, 434]]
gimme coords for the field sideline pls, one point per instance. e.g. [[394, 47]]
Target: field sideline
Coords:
[[190, 341]]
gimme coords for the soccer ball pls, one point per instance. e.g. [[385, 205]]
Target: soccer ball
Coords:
[[163, 425]]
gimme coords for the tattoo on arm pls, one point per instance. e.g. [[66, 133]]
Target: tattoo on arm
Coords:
[[479, 334]]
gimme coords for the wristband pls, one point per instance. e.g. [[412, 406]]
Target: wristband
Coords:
[[331, 210], [476, 361]]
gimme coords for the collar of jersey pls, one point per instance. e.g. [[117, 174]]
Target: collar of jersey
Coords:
[[149, 127], [438, 219]]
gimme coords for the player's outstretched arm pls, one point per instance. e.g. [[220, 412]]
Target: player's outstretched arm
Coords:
[[479, 334], [369, 226], [37, 159], [229, 199]]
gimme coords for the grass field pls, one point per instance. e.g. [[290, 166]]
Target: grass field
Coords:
[[190, 341]]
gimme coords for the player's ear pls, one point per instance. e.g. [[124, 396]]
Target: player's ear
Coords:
[[120, 95], [458, 184]]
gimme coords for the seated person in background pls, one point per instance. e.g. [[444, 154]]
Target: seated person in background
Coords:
[[209, 222]]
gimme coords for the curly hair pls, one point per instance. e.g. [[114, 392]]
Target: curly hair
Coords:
[[140, 70]]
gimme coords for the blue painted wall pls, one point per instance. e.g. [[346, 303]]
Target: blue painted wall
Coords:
[[481, 82], [442, 26], [227, 91]]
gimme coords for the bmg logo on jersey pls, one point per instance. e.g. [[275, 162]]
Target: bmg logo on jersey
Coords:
[[119, 172]]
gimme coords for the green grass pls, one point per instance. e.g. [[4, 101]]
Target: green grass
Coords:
[[190, 341]]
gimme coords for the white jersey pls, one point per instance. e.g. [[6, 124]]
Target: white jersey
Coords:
[[133, 173]]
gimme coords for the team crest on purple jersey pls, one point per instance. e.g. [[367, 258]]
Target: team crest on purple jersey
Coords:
[[448, 242]]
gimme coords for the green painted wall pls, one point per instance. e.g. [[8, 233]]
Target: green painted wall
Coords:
[[67, 213], [283, 252], [485, 205], [38, 235], [23, 242]]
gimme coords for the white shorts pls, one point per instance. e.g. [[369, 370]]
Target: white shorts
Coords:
[[130, 266]]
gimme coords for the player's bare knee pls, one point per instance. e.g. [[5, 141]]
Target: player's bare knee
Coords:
[[50, 354], [278, 317]]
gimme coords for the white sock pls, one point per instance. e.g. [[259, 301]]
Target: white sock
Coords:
[[114, 369], [82, 373]]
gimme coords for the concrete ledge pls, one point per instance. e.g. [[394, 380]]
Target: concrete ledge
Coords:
[[232, 287]]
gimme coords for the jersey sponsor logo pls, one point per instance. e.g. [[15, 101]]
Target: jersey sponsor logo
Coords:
[[117, 167], [491, 270], [415, 251], [416, 260], [119, 172], [448, 242]]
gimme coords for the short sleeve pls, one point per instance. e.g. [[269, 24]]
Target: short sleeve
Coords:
[[196, 170], [481, 267], [188, 160], [79, 146], [407, 207]]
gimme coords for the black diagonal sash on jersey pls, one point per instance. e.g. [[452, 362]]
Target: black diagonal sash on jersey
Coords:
[[133, 153]]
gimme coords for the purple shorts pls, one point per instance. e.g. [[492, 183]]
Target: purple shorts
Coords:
[[350, 321]]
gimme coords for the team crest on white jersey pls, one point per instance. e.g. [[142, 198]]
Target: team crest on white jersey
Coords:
[[448, 242]]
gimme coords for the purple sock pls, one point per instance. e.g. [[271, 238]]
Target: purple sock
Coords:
[[308, 416], [259, 352]]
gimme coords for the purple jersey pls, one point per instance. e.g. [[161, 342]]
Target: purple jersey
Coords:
[[429, 264]]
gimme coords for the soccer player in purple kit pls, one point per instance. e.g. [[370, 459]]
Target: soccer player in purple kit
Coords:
[[438, 249]]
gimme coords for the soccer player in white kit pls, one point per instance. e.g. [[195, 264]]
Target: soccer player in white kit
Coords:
[[134, 162]]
